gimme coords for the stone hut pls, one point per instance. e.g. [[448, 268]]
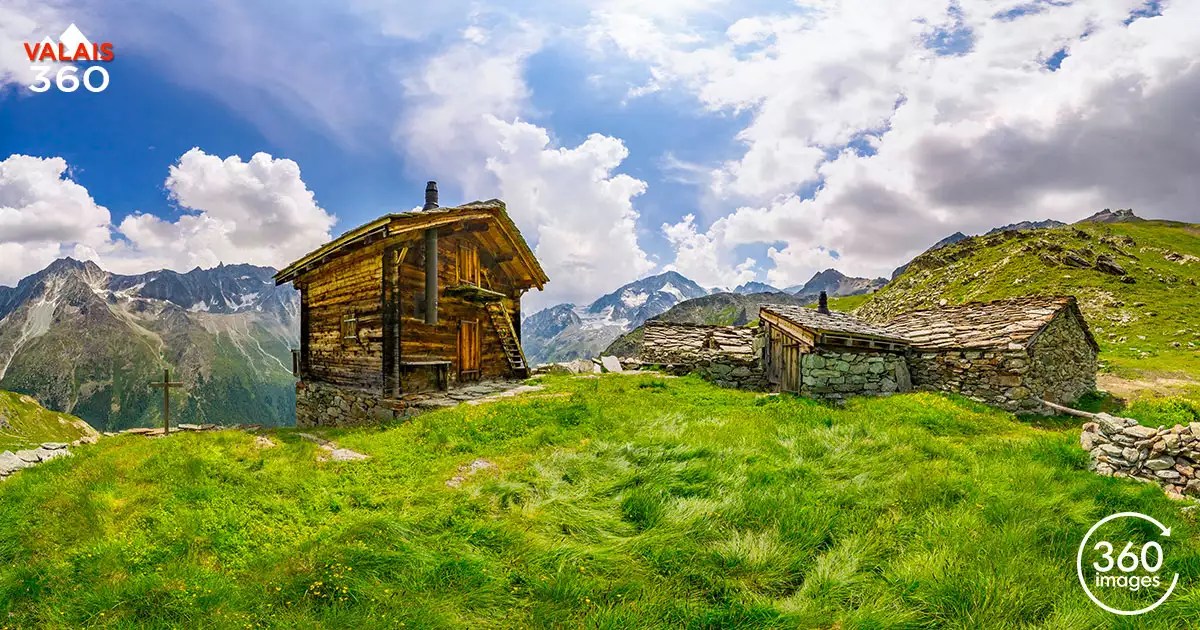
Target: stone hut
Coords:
[[1008, 353], [725, 355], [827, 354]]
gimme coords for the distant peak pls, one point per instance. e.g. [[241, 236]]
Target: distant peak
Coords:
[[1106, 215]]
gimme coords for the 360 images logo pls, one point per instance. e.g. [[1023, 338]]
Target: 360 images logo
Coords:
[[1120, 564], [72, 46]]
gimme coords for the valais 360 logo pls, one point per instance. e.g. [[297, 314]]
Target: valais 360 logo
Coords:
[[71, 46]]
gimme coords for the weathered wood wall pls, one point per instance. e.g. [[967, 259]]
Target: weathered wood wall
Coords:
[[422, 342], [354, 283]]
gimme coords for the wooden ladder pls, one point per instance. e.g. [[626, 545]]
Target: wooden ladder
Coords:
[[502, 322]]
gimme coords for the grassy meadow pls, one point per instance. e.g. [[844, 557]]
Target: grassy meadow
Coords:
[[615, 502], [26, 424]]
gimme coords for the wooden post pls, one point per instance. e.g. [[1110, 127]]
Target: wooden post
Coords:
[[166, 386]]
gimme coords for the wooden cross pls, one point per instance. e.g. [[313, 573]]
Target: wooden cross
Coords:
[[166, 386]]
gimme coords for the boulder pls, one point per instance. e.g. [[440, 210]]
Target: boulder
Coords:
[[48, 455], [29, 456], [54, 446], [1106, 264], [10, 463], [611, 364]]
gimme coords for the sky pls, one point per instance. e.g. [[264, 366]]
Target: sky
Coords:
[[728, 140]]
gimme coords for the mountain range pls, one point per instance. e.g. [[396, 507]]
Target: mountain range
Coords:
[[565, 332], [88, 342]]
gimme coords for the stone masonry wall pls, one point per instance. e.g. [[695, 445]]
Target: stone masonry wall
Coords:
[[728, 356], [993, 377], [726, 370], [323, 405], [1120, 447], [834, 375], [1063, 364]]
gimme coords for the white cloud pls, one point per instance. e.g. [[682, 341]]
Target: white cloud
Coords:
[[705, 257], [446, 128], [570, 203], [258, 212], [975, 135], [44, 215]]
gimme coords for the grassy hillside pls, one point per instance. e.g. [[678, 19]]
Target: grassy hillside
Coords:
[[616, 502], [1148, 325], [25, 424]]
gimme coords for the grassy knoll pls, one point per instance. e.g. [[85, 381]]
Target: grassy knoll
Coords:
[[618, 502], [26, 424]]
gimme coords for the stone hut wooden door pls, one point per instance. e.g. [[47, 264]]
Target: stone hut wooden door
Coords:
[[783, 360], [468, 350]]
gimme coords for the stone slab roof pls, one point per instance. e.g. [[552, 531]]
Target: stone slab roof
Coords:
[[833, 322], [667, 342], [1002, 324]]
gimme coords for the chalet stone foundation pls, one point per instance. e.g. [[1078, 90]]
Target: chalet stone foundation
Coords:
[[1120, 447], [835, 375], [322, 405]]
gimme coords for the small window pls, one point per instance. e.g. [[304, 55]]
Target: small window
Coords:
[[468, 264], [350, 327]]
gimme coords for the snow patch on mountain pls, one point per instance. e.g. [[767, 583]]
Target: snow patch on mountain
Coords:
[[633, 299], [670, 289]]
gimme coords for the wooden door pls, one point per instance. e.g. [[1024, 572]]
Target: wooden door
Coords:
[[783, 360], [468, 350], [790, 366]]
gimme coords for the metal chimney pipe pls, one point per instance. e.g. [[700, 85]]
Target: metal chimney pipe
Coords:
[[431, 279], [431, 196], [431, 259], [823, 303]]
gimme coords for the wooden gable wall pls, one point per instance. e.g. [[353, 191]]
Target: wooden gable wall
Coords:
[[353, 285]]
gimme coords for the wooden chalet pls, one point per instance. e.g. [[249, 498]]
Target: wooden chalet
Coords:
[[407, 303]]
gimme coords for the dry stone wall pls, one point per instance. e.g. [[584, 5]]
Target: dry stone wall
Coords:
[[1120, 447], [835, 375], [994, 377], [1062, 364], [727, 356], [323, 405]]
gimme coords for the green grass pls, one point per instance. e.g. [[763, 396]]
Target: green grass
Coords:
[[26, 424], [1135, 324], [619, 502], [849, 302]]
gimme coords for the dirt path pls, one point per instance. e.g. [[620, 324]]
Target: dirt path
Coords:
[[1148, 385]]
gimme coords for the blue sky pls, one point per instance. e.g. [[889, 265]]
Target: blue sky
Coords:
[[730, 141]]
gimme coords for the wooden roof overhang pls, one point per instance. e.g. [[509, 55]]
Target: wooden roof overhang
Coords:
[[814, 336], [488, 220]]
